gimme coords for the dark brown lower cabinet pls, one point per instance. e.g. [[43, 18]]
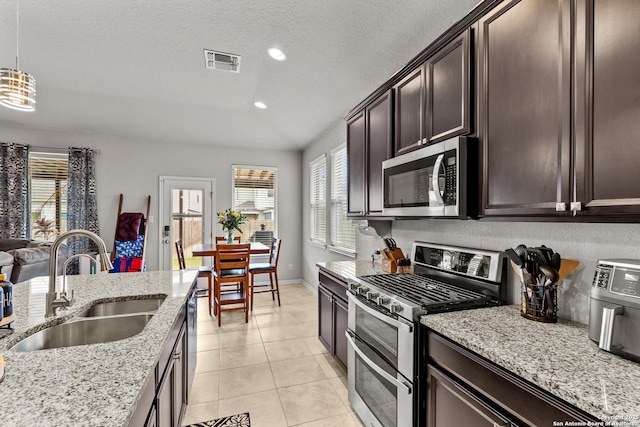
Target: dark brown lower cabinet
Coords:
[[341, 319], [171, 400], [164, 399], [333, 316], [450, 404], [464, 389]]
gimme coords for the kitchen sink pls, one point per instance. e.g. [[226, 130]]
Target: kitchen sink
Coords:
[[85, 331], [102, 322], [114, 308]]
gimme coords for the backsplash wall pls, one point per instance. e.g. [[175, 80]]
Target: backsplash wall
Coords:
[[585, 242]]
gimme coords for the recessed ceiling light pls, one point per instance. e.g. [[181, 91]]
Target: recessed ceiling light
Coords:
[[277, 54], [260, 105]]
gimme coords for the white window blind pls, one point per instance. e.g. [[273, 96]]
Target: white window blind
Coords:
[[318, 199], [343, 233], [48, 194], [255, 196]]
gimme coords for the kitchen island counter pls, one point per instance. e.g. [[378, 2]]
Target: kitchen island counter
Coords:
[[91, 385], [557, 357]]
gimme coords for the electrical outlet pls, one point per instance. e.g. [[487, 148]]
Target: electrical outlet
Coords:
[[290, 266]]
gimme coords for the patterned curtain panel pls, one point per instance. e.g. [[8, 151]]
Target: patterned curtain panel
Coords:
[[82, 207], [14, 191]]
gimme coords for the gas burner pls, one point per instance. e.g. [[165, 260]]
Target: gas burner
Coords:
[[432, 295]]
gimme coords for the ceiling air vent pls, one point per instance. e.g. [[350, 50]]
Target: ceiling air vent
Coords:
[[222, 61]]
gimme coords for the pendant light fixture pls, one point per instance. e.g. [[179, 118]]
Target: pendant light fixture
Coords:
[[17, 88]]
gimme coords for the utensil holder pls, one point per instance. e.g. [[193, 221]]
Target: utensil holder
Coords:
[[540, 304]]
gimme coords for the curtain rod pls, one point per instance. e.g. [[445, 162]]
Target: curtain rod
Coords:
[[59, 150]]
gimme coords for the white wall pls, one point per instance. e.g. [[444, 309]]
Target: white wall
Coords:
[[133, 168], [311, 253], [586, 242]]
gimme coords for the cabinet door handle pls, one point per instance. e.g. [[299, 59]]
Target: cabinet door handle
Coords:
[[177, 356], [561, 207], [576, 206]]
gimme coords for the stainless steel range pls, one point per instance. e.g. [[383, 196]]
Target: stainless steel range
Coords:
[[384, 350]]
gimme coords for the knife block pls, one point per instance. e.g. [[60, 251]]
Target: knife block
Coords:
[[390, 260], [389, 265]]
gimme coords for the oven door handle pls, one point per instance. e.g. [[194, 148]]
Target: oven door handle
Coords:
[[403, 326], [371, 364]]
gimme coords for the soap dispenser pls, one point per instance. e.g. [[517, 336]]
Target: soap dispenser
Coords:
[[6, 296]]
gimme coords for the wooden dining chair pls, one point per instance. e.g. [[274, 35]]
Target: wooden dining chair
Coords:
[[203, 271], [231, 267], [270, 268], [220, 239]]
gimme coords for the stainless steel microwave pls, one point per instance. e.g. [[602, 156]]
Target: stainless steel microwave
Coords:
[[439, 180]]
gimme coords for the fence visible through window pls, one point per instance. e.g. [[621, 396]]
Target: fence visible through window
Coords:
[[255, 195]]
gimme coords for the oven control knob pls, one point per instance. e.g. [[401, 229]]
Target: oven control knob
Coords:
[[395, 308], [362, 290], [354, 286], [383, 301], [371, 296]]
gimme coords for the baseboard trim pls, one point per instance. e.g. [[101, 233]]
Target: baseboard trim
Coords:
[[312, 288]]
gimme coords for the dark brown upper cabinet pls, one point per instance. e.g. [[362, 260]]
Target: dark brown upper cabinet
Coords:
[[369, 143], [379, 145], [524, 107], [356, 155], [448, 90], [607, 112], [409, 112]]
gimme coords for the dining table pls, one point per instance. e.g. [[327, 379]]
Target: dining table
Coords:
[[209, 249]]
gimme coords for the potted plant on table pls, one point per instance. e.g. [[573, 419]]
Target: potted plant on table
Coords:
[[231, 220]]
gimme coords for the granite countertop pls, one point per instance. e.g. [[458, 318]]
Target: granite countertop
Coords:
[[347, 270], [88, 385], [559, 358]]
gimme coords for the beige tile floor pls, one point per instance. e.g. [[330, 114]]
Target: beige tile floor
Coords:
[[274, 367]]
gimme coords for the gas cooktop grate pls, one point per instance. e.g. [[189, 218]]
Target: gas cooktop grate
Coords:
[[424, 290]]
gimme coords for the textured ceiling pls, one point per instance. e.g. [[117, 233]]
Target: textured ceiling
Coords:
[[135, 68]]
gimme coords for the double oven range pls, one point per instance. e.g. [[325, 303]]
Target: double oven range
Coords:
[[386, 353]]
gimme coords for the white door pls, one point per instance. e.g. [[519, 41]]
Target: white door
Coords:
[[186, 211]]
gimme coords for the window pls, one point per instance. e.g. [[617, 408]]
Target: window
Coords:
[[318, 199], [343, 233], [48, 194], [255, 195]]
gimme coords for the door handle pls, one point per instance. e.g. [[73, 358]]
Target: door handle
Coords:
[[435, 182]]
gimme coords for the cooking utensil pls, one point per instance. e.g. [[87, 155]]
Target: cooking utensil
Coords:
[[519, 271], [547, 296], [567, 266], [547, 252], [514, 257], [521, 250], [550, 273], [556, 260]]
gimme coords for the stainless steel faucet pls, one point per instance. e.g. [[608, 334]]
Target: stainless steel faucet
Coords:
[[54, 300]]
